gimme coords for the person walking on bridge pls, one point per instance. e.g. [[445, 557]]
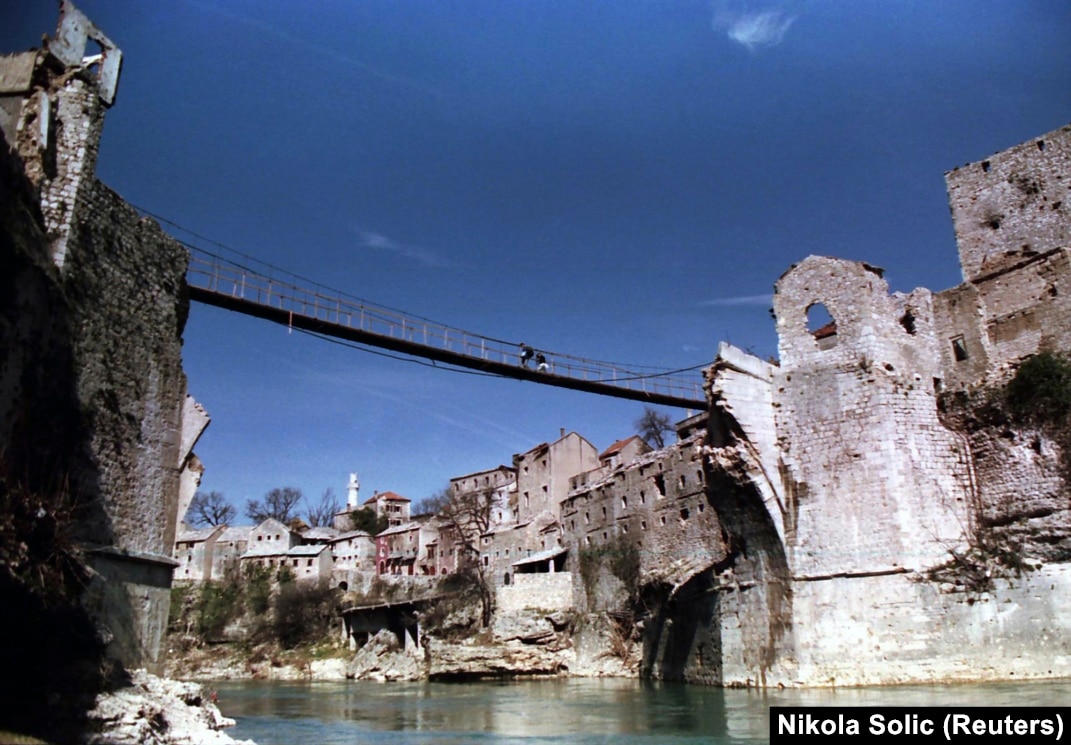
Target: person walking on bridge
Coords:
[[526, 354]]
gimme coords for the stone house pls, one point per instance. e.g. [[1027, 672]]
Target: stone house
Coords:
[[354, 551], [501, 481], [442, 553], [398, 548], [322, 534], [310, 563], [228, 549], [272, 535], [623, 452], [543, 473], [194, 550], [393, 506]]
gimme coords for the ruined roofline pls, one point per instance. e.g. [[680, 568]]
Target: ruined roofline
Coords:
[[1011, 149]]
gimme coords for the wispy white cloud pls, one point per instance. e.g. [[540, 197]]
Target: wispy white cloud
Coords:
[[422, 256], [752, 28], [766, 300]]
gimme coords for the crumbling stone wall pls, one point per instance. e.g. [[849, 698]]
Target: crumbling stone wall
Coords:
[[1013, 205], [874, 481], [1013, 228], [116, 283], [659, 503]]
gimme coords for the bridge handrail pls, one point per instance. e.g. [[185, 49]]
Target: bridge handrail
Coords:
[[222, 277]]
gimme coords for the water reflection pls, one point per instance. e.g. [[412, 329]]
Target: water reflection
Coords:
[[582, 711]]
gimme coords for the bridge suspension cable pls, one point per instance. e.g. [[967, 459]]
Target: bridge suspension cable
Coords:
[[306, 305]]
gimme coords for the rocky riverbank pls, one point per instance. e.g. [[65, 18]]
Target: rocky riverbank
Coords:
[[516, 645], [157, 711]]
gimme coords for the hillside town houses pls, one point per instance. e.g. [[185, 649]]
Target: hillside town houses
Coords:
[[523, 532]]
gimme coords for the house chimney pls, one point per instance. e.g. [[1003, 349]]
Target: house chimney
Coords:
[[561, 432]]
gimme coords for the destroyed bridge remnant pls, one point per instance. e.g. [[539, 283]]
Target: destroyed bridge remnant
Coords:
[[832, 520]]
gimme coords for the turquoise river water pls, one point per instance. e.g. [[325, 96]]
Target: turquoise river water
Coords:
[[623, 712]]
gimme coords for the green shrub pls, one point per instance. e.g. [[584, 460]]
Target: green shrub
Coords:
[[1040, 392], [257, 589], [304, 613], [219, 604]]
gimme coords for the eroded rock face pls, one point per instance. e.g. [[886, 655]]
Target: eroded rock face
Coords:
[[506, 660], [155, 711], [382, 658]]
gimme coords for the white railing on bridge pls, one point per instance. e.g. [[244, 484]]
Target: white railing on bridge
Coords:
[[221, 277]]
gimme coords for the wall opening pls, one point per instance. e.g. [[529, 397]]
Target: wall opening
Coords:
[[821, 325], [959, 349], [985, 166], [1041, 145], [907, 320]]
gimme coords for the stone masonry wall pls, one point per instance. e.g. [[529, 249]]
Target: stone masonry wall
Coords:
[[874, 480], [1012, 205], [546, 591], [660, 504], [125, 278], [896, 629], [119, 284]]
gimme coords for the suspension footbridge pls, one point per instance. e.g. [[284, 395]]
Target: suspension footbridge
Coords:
[[220, 282]]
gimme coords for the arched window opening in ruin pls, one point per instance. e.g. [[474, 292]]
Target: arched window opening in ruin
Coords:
[[959, 349], [821, 325], [343, 585], [907, 320]]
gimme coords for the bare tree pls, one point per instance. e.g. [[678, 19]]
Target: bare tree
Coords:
[[653, 426], [210, 509], [322, 514], [280, 504], [468, 515]]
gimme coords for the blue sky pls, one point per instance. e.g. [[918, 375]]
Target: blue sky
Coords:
[[617, 180]]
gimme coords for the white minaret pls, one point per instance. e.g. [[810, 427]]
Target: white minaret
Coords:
[[351, 492]]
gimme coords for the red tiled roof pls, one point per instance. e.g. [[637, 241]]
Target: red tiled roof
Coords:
[[617, 447], [830, 329], [388, 496]]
